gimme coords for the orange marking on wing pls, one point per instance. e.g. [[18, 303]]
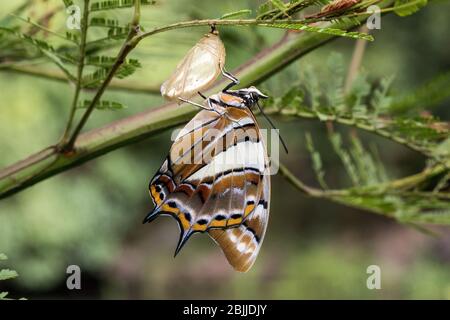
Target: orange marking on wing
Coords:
[[218, 223], [248, 209], [155, 195], [199, 227], [167, 208], [233, 222], [184, 222]]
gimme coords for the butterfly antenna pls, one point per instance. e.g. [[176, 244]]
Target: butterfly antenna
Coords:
[[273, 126]]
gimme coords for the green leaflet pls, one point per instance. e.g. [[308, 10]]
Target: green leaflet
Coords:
[[407, 7], [6, 274], [117, 4], [104, 64], [67, 3], [44, 47], [280, 5], [344, 156], [239, 13], [272, 9], [430, 94], [316, 161], [103, 105], [335, 88], [330, 31]]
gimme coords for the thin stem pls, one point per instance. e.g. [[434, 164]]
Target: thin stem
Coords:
[[128, 46], [297, 183], [219, 22], [41, 27], [396, 187], [127, 85], [355, 63], [84, 28]]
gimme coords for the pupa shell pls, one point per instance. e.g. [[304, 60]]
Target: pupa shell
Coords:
[[198, 69]]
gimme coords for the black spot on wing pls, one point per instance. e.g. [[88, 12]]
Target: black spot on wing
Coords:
[[202, 222]]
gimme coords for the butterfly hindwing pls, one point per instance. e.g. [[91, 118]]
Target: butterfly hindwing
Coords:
[[241, 244]]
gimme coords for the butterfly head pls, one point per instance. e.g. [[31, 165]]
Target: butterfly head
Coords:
[[250, 95]]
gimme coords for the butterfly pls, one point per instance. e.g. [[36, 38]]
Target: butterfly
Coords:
[[216, 178]]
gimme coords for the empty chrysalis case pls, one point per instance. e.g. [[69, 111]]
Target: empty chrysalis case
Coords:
[[197, 70]]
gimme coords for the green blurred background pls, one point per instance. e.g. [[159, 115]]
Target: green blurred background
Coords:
[[91, 216]]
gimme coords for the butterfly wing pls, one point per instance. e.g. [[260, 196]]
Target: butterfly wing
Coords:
[[241, 245], [213, 180], [198, 69]]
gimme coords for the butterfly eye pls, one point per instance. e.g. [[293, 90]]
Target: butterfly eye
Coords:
[[197, 70]]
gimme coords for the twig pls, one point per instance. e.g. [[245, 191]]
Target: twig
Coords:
[[79, 80], [220, 22], [355, 63], [297, 183], [128, 46], [120, 85], [37, 26]]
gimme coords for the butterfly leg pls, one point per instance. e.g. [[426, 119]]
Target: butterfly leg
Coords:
[[234, 80], [194, 104], [203, 107]]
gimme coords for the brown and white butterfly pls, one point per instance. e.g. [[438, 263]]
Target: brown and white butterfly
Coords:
[[216, 177]]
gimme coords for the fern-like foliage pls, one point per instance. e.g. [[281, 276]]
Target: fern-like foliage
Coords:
[[44, 48], [368, 106], [408, 7], [116, 4], [102, 105], [412, 202], [371, 107], [274, 9], [103, 63], [6, 274]]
